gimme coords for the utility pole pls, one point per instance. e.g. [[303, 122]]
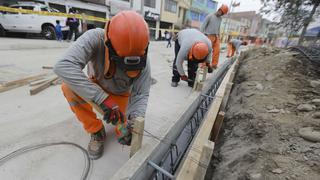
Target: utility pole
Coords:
[[141, 8], [131, 4], [227, 19]]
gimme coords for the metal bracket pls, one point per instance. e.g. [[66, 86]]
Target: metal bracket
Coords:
[[210, 97], [163, 171]]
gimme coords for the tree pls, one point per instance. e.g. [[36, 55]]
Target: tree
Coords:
[[294, 13]]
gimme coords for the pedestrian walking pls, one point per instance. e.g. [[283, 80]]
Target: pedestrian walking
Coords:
[[58, 31], [211, 28], [73, 24], [118, 81], [168, 38], [193, 46]]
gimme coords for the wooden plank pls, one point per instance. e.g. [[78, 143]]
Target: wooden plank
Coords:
[[137, 135], [47, 67], [42, 86], [20, 82], [38, 82], [217, 126], [204, 159], [190, 166], [226, 97], [26, 80], [57, 81]]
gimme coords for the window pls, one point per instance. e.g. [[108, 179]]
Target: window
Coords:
[[211, 4], [171, 6], [202, 17], [22, 7], [201, 1], [150, 3], [59, 7], [195, 16], [44, 9]]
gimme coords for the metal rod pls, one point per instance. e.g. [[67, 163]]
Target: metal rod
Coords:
[[163, 171]]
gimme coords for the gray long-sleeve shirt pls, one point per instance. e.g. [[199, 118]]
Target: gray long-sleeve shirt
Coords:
[[89, 49], [236, 44], [211, 25], [186, 39]]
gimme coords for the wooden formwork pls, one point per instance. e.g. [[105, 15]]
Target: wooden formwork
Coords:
[[199, 154]]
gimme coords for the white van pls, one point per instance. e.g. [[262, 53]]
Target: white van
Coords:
[[31, 23]]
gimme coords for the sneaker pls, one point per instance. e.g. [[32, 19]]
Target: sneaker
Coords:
[[95, 147], [174, 84]]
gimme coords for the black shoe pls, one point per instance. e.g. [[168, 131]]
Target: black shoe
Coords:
[[210, 70], [95, 147], [174, 84], [190, 84]]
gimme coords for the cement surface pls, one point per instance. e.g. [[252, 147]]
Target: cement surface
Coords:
[[46, 117]]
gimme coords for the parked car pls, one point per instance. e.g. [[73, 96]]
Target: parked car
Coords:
[[31, 23]]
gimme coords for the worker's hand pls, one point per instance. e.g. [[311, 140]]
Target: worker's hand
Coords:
[[124, 133], [112, 112], [184, 78]]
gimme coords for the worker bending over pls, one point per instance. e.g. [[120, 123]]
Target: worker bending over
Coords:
[[234, 45], [118, 77], [193, 46], [211, 28]]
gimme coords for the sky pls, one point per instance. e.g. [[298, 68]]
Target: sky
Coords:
[[245, 5]]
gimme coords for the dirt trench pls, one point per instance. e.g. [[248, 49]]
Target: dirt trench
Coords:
[[275, 96]]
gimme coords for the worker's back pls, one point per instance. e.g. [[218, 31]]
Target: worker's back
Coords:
[[188, 37]]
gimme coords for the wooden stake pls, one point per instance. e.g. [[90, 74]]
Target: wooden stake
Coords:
[[137, 135], [204, 160], [226, 97], [217, 126]]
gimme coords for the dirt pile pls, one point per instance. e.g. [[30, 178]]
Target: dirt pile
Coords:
[[272, 123]]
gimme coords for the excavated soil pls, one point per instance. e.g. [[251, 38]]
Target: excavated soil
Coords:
[[275, 96]]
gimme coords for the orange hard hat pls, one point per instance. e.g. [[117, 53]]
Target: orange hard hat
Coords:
[[199, 51], [128, 33], [224, 8]]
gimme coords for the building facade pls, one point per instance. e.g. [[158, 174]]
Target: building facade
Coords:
[[150, 11], [199, 10], [248, 25]]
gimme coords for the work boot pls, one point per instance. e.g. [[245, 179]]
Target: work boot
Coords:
[[95, 147], [174, 84]]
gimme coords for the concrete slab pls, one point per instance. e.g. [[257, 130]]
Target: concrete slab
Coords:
[[46, 117]]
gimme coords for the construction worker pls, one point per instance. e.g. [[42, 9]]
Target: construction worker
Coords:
[[211, 28], [233, 46], [193, 46], [118, 77]]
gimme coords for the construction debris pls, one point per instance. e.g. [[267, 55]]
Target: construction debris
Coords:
[[270, 129], [48, 82], [20, 82], [47, 67]]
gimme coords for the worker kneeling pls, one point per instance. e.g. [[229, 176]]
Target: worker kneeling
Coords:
[[234, 45], [193, 46], [119, 77]]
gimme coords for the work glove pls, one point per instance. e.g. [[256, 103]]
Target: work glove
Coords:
[[112, 113], [184, 78], [124, 133]]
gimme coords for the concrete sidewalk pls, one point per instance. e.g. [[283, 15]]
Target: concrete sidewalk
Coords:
[[20, 44]]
